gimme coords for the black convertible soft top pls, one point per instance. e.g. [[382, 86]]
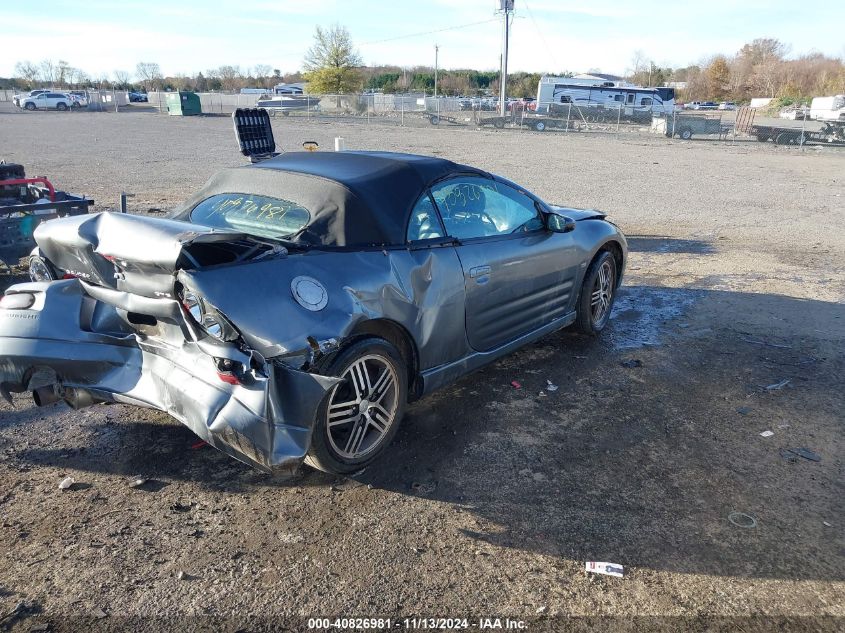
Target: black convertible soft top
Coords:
[[355, 198]]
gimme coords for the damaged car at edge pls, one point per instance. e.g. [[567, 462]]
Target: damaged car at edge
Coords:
[[292, 308]]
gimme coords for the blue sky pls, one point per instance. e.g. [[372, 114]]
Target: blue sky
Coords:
[[186, 36]]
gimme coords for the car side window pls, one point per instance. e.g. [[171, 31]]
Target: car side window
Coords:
[[480, 207], [424, 223]]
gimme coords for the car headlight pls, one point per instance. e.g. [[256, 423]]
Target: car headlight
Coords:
[[208, 318], [39, 270]]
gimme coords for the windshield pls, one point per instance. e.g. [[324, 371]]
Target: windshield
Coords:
[[261, 216]]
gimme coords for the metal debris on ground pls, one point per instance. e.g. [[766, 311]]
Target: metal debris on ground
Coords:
[[66, 483], [767, 433], [778, 385], [742, 520], [550, 386], [137, 482], [792, 454], [632, 362], [607, 569]]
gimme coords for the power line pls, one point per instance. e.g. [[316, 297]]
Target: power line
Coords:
[[448, 28], [540, 33]]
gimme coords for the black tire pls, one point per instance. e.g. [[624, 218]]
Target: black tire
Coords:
[[75, 105], [499, 124], [434, 119], [30, 106], [784, 138], [540, 126], [323, 454], [585, 321], [61, 106], [685, 133]]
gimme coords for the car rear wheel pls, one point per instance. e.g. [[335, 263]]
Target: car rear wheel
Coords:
[[61, 106], [597, 294], [359, 417]]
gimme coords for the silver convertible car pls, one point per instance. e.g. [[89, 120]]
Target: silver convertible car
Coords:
[[292, 308]]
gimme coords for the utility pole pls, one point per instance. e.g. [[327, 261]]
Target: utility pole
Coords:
[[506, 7], [436, 53]]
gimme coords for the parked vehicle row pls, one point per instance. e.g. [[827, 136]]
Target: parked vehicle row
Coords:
[[44, 99]]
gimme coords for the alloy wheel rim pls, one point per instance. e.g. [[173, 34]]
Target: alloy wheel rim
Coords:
[[362, 408], [602, 293]]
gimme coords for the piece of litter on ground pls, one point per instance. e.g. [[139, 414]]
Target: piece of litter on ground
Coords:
[[66, 483], [137, 482], [550, 386], [542, 394], [766, 433], [742, 520], [515, 384], [99, 613], [744, 410], [778, 385], [826, 524], [607, 569], [197, 445], [783, 426], [793, 453], [541, 610]]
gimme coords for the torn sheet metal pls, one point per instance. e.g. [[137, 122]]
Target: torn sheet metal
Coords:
[[265, 421]]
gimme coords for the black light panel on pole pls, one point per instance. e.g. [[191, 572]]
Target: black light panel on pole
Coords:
[[505, 5]]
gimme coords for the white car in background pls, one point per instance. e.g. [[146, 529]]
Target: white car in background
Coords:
[[47, 101]]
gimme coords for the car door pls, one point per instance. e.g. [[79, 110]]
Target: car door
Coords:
[[41, 101], [518, 276]]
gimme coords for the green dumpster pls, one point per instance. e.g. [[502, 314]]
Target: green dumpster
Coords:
[[183, 103]]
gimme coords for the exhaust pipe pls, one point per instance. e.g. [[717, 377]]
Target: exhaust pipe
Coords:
[[45, 395], [80, 398]]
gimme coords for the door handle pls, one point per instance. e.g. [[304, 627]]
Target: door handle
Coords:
[[479, 271]]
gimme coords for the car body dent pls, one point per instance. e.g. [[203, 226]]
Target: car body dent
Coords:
[[264, 421], [121, 333]]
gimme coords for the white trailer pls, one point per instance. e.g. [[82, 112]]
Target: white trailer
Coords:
[[828, 108], [555, 94]]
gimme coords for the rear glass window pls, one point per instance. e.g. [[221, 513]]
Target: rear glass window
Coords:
[[261, 216]]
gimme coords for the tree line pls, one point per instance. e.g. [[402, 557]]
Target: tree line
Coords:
[[332, 65]]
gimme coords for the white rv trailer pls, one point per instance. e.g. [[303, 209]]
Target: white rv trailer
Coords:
[[556, 94], [828, 108]]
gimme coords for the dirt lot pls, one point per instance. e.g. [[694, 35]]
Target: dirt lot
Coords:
[[492, 497]]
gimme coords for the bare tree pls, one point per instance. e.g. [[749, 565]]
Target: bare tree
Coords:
[[121, 78], [61, 71], [230, 77], [150, 74], [27, 71], [48, 71]]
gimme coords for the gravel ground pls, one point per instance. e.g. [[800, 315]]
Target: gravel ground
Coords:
[[491, 498]]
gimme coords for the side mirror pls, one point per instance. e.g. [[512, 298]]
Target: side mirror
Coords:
[[559, 223]]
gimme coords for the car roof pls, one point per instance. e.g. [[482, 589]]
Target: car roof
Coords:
[[355, 198]]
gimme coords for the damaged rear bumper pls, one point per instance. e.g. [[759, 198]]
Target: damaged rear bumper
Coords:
[[265, 420]]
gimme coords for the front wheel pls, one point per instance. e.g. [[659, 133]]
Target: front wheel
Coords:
[[30, 106], [685, 133], [597, 294], [360, 416], [540, 126]]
